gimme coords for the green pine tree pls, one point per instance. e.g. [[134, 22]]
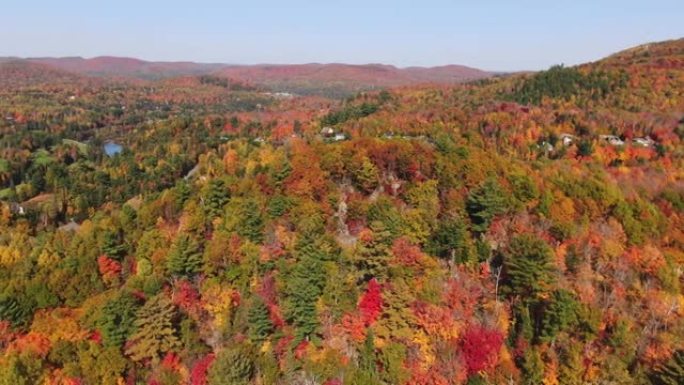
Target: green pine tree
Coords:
[[216, 195], [560, 313], [452, 241], [486, 202], [372, 257], [252, 224], [112, 245], [303, 288], [116, 321], [13, 311], [185, 258], [672, 372], [529, 267], [260, 325]]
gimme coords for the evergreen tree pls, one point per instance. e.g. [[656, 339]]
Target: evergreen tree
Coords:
[[216, 195], [252, 223], [155, 332], [185, 258], [523, 326], [585, 148], [484, 203], [260, 325], [529, 267], [279, 175], [112, 245], [278, 205], [672, 372], [303, 288], [116, 322], [373, 254], [232, 366], [13, 311], [182, 193], [366, 177], [560, 313], [367, 372], [451, 241], [524, 188], [532, 367]]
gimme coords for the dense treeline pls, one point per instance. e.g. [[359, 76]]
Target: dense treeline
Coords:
[[457, 237], [560, 82]]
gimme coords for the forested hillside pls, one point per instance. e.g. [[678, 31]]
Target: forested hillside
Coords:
[[524, 229]]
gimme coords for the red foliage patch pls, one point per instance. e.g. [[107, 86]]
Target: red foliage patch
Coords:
[[462, 296], [198, 374], [171, 361], [300, 350], [480, 347], [6, 333], [235, 297], [96, 337], [371, 303], [406, 253], [108, 267], [186, 297], [269, 294], [281, 346], [354, 326], [32, 342]]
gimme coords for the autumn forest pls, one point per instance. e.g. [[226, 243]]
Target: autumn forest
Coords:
[[204, 229]]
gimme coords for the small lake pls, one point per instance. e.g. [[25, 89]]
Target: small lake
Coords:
[[112, 148]]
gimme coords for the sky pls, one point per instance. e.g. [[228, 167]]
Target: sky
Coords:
[[493, 35]]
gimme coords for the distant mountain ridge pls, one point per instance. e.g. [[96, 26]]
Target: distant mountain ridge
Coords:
[[303, 78], [16, 73], [126, 67]]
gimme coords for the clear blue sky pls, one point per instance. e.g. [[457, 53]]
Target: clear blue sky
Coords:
[[489, 34]]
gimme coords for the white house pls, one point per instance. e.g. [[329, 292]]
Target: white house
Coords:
[[612, 140], [644, 142], [328, 131], [567, 139]]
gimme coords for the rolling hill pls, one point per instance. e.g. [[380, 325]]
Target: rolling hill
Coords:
[[333, 79]]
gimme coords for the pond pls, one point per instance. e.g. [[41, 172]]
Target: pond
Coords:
[[112, 148]]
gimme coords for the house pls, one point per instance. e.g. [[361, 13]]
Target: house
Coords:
[[339, 137], [546, 146], [16, 208], [644, 142], [612, 140], [567, 139], [71, 226], [327, 131]]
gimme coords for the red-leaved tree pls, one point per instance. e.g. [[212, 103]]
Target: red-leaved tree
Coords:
[[370, 304], [480, 348], [198, 374]]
